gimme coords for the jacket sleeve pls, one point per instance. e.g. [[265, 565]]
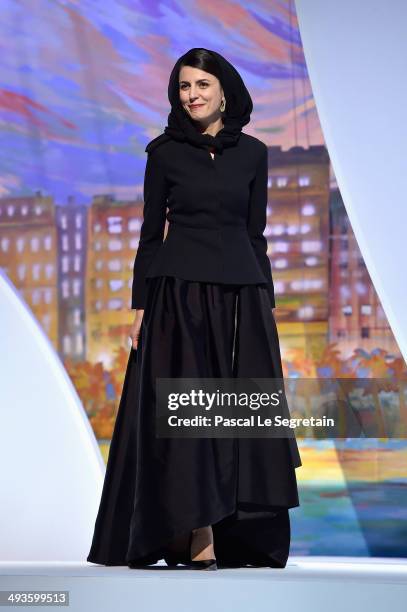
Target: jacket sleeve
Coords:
[[257, 221], [152, 229]]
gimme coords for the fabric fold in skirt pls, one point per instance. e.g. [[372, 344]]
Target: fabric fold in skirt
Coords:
[[158, 488]]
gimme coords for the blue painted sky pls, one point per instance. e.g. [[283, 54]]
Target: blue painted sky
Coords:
[[83, 85]]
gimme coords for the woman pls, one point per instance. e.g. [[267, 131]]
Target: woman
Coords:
[[204, 301]]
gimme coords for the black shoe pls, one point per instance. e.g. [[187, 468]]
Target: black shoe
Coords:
[[203, 564], [172, 559]]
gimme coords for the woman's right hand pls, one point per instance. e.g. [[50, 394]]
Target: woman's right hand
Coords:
[[136, 328]]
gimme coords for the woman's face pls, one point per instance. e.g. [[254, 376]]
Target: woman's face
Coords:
[[197, 87]]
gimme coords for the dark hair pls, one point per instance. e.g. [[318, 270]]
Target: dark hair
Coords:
[[202, 59]]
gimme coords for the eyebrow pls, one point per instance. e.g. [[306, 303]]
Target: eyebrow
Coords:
[[198, 81]]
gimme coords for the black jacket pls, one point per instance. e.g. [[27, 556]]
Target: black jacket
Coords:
[[216, 214]]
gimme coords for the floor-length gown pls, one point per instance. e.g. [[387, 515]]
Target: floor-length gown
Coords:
[[158, 488]]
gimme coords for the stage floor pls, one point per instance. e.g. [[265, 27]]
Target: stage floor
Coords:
[[326, 584]]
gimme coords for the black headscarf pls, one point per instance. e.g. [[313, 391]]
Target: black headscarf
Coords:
[[239, 105]]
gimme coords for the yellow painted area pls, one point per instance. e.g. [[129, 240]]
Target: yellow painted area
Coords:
[[104, 449], [369, 465]]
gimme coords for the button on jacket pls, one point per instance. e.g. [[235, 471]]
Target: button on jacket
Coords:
[[216, 215]]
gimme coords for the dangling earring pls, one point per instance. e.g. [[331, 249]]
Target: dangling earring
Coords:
[[223, 105]]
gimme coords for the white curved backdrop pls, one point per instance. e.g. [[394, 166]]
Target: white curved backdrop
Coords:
[[356, 55], [51, 468]]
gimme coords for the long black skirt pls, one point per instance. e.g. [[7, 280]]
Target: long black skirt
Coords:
[[156, 489]]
